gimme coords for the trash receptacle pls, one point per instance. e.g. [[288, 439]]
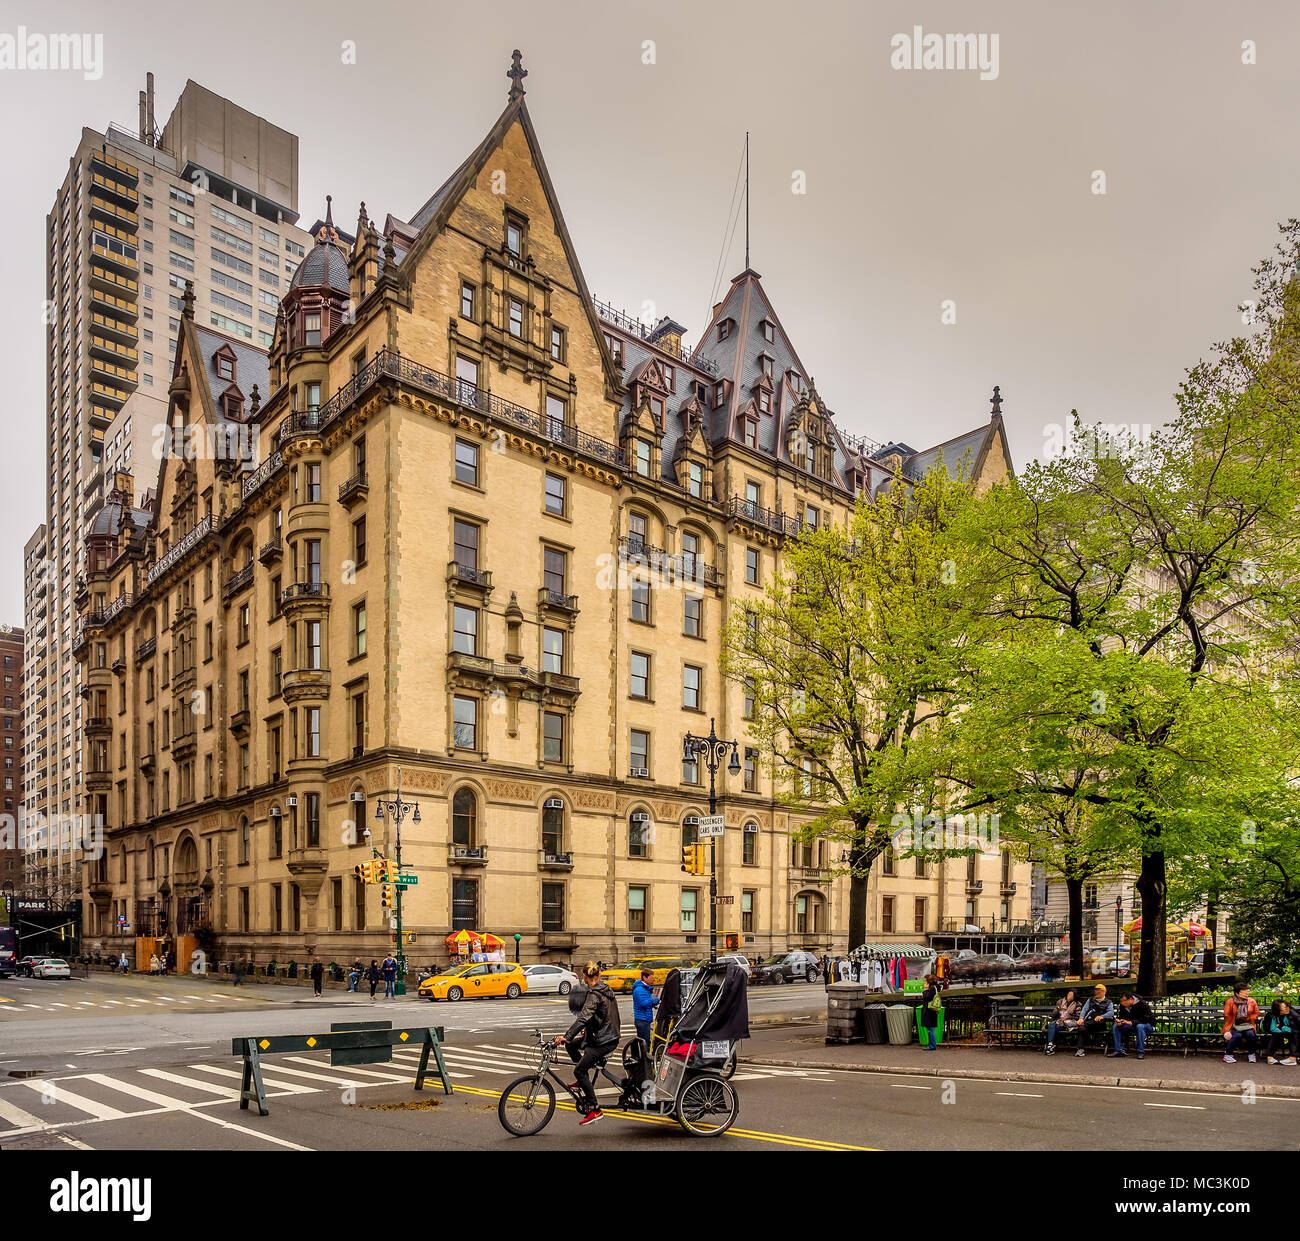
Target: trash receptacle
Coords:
[[898, 1018], [873, 1020], [938, 1030]]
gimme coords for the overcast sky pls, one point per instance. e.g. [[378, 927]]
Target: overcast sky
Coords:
[[922, 186]]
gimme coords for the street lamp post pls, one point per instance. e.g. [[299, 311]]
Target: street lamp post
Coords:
[[712, 749], [399, 809], [1119, 917]]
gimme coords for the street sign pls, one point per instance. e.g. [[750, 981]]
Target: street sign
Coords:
[[724, 900], [405, 881], [711, 825]]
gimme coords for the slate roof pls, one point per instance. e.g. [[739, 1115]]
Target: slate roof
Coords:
[[324, 266], [114, 516], [252, 366]]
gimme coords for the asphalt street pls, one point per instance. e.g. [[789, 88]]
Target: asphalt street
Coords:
[[160, 1075]]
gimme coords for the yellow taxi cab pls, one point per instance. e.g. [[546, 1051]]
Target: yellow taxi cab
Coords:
[[460, 982], [622, 977]]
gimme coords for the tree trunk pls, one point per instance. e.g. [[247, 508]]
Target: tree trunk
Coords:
[[1151, 983], [1212, 925], [858, 906], [1074, 899]]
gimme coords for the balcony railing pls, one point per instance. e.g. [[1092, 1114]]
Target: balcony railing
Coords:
[[355, 487], [769, 519], [268, 469], [237, 581], [467, 855], [187, 544], [271, 550], [556, 599], [634, 327], [389, 365], [304, 590], [554, 861], [458, 572], [146, 649], [682, 568]]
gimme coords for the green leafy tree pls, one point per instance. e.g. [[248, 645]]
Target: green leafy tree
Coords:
[[854, 651]]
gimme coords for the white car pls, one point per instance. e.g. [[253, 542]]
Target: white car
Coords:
[[740, 960], [51, 967], [552, 978]]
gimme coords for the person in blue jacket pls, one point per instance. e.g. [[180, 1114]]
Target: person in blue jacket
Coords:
[[1096, 1017], [643, 1005]]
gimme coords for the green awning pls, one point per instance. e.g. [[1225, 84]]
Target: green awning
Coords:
[[909, 952]]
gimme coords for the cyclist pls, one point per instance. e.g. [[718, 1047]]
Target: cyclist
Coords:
[[594, 1034]]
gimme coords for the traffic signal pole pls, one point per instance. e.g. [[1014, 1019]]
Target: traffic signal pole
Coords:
[[712, 749]]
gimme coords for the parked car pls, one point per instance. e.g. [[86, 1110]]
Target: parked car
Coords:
[[24, 967], [624, 977], [1222, 961], [740, 960], [791, 967], [550, 979], [983, 967], [51, 967], [481, 978]]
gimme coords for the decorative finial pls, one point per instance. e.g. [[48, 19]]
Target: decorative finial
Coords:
[[188, 300], [390, 251], [254, 400], [516, 75], [329, 210], [996, 399]]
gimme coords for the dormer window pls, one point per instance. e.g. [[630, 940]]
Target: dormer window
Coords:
[[764, 401], [643, 458], [670, 377], [657, 407], [234, 407], [769, 331], [695, 478], [724, 329], [751, 433], [765, 362], [225, 368]]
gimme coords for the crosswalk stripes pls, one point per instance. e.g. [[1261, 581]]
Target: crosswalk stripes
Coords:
[[45, 1104]]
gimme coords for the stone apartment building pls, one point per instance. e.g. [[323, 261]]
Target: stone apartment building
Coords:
[[491, 542]]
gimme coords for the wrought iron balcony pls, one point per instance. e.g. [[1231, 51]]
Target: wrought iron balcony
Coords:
[[354, 489], [468, 575], [554, 861], [146, 649], [187, 544], [555, 599], [682, 568], [237, 581], [304, 592], [768, 519], [271, 550]]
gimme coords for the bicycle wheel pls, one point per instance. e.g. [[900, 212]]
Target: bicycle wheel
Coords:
[[526, 1106], [707, 1106]]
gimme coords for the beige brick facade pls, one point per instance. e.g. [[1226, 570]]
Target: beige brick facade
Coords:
[[548, 635]]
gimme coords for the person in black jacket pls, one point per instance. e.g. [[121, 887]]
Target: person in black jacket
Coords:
[[929, 1015], [594, 1033], [1134, 1017], [317, 972], [373, 976]]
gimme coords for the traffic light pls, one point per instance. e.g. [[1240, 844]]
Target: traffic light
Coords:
[[694, 860], [365, 871], [381, 870], [386, 896]]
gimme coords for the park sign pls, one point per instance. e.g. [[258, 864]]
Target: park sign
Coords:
[[711, 825]]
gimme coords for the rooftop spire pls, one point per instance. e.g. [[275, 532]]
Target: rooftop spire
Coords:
[[329, 210], [996, 399], [516, 75]]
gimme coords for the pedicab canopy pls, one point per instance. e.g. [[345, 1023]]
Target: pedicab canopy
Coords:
[[1173, 930], [717, 1007]]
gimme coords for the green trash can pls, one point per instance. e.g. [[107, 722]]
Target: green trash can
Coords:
[[938, 1030]]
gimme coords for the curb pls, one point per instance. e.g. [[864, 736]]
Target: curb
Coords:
[[1059, 1079]]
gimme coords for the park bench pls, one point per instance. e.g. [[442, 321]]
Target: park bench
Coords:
[[1178, 1026]]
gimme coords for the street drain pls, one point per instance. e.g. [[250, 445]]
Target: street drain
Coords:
[[28, 1072], [418, 1105]]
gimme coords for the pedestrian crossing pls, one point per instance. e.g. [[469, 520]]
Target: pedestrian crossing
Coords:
[[11, 1005], [78, 1100]]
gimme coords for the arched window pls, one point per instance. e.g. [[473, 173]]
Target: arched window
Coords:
[[464, 817], [639, 832], [553, 827]]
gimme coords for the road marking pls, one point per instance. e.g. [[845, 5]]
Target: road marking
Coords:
[[901, 1086], [69, 1141], [1182, 1107], [755, 1135], [17, 1117], [100, 1111], [342, 1077], [1017, 1094], [267, 1079], [224, 1091]]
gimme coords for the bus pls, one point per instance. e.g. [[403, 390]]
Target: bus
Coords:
[[8, 951]]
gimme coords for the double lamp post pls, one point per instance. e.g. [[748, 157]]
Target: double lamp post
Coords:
[[712, 749]]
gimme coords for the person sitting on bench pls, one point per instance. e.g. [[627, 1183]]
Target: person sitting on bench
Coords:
[[1134, 1017], [1096, 1013], [1280, 1026], [1065, 1016]]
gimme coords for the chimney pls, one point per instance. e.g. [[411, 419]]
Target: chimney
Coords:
[[144, 114], [149, 107]]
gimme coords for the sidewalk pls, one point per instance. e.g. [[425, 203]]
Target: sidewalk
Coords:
[[807, 1049]]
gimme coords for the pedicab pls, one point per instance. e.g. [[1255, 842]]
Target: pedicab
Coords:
[[682, 1075]]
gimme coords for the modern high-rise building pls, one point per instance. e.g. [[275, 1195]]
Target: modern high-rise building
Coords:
[[210, 200], [11, 744], [485, 565], [39, 687]]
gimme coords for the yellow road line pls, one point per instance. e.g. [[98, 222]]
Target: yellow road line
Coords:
[[754, 1135]]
